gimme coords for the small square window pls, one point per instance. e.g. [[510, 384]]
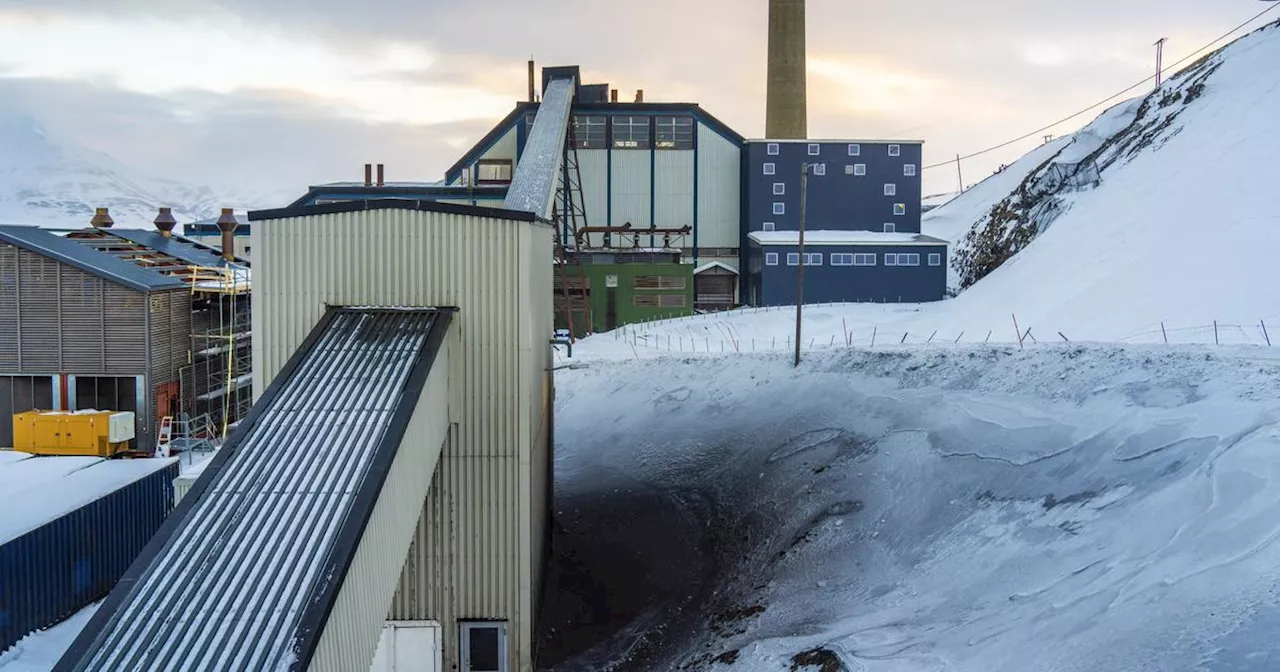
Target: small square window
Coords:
[[772, 149], [899, 209], [815, 149], [779, 208], [770, 168], [908, 259], [890, 227], [812, 258], [935, 260], [855, 150], [890, 190], [909, 170], [860, 169], [770, 226], [779, 188], [890, 259], [895, 150], [864, 260], [770, 258], [848, 169], [819, 169], [793, 258]]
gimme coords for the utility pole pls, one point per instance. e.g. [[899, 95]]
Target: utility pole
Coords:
[[1160, 61], [804, 200], [959, 173]]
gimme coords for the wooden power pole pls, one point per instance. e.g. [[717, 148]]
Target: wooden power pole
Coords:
[[804, 200], [1160, 61]]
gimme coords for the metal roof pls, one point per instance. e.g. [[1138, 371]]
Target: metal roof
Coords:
[[842, 237], [392, 204], [196, 254], [245, 572], [86, 259]]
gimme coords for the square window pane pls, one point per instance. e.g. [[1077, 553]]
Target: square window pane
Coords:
[[770, 169], [895, 150], [890, 190], [820, 169], [770, 226], [935, 260], [890, 228], [772, 149], [793, 258], [860, 169], [815, 150], [909, 170], [771, 259], [848, 169], [855, 150], [899, 209], [779, 208], [779, 188]]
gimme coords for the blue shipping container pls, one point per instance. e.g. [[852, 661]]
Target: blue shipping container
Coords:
[[59, 568]]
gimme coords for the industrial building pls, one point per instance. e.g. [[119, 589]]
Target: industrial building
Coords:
[[123, 320]]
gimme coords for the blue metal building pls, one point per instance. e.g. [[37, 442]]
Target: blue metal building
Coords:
[[845, 266]]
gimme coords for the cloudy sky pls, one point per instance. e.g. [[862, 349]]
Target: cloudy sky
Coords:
[[276, 94]]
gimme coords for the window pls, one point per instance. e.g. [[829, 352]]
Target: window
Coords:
[[658, 282], [779, 188], [493, 171], [772, 149], [589, 132], [815, 149], [859, 169], [770, 258], [812, 258], [890, 259], [675, 132], [483, 647], [841, 259], [793, 258], [779, 208], [895, 150], [902, 259], [890, 190], [658, 301], [819, 169], [770, 226], [848, 169], [890, 227], [631, 132], [864, 260], [855, 150], [909, 170], [935, 260], [899, 209], [770, 169]]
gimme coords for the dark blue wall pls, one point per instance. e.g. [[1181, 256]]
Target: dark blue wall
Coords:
[[837, 201], [776, 285]]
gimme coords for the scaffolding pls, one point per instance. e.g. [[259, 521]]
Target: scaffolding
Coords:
[[217, 382]]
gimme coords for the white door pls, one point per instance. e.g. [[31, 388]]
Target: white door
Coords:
[[409, 646]]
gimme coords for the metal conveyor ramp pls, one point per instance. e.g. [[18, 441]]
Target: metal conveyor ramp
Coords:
[[286, 553], [533, 189]]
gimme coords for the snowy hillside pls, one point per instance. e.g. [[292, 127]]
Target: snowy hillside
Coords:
[[50, 182], [966, 509]]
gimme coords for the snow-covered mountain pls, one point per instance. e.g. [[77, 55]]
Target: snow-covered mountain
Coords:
[[52, 182]]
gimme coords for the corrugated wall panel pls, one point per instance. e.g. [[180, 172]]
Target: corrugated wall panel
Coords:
[[505, 148], [9, 308], [38, 311], [719, 186], [673, 189], [593, 164], [350, 636], [126, 330], [631, 188], [469, 559], [83, 344]]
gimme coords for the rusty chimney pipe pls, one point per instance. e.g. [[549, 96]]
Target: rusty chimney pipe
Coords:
[[101, 219], [613, 95], [165, 222], [533, 89], [381, 180], [639, 95], [227, 224], [368, 174]]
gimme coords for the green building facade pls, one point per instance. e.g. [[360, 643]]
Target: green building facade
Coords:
[[623, 293]]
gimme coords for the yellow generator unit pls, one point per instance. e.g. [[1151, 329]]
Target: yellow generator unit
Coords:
[[92, 433]]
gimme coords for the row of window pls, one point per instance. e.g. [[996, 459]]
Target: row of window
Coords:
[[855, 169], [899, 209], [629, 132], [780, 189], [853, 259], [815, 149], [889, 227]]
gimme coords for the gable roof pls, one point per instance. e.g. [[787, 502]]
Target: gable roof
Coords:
[[70, 252], [394, 204], [184, 249]]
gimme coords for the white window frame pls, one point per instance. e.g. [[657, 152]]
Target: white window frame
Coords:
[[770, 258], [793, 258], [815, 149], [890, 227], [909, 170], [779, 208], [770, 226], [819, 169], [912, 258], [848, 169], [779, 188], [890, 189], [899, 209], [895, 150], [935, 259], [464, 641], [841, 259], [864, 259], [772, 149], [813, 259], [890, 258], [770, 168], [855, 149], [860, 169]]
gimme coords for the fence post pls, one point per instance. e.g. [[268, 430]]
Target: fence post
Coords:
[[1164, 333], [833, 341], [959, 337], [935, 333], [1264, 332], [1017, 330], [1033, 338], [904, 337], [1064, 337], [1215, 333], [873, 334]]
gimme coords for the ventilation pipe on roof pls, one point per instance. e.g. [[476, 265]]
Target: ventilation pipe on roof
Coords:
[[165, 222], [639, 95], [533, 90], [101, 219], [368, 174], [382, 182], [227, 224], [613, 95]]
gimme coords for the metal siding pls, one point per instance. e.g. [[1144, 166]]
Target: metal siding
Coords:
[[467, 560], [505, 148], [57, 569], [719, 187], [593, 164], [673, 188], [631, 198], [125, 330], [876, 284], [82, 342], [37, 314], [9, 307], [350, 636]]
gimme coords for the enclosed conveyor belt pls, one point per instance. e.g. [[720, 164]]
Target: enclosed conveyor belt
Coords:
[[533, 189], [284, 554]]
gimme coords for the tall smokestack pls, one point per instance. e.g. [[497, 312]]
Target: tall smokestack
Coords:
[[786, 112], [165, 222], [227, 224], [533, 89], [382, 181]]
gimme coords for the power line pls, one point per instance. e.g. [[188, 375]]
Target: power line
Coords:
[[1109, 98]]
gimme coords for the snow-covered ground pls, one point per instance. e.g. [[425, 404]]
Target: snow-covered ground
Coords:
[[40, 651], [957, 508]]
